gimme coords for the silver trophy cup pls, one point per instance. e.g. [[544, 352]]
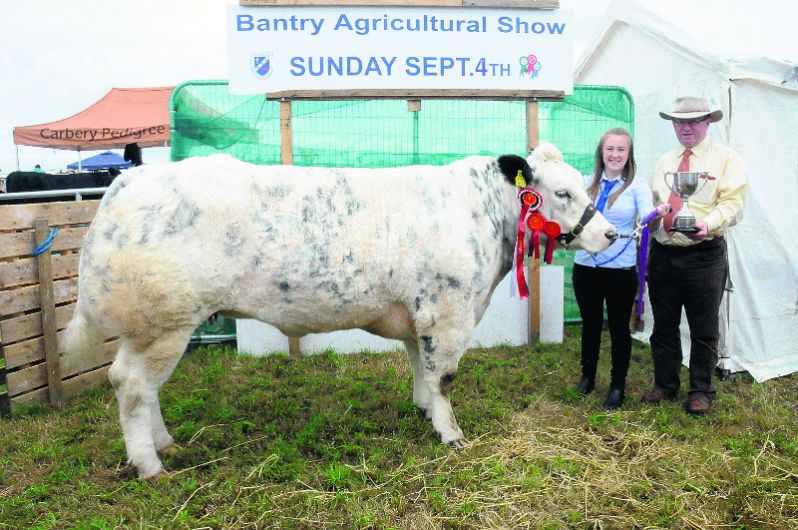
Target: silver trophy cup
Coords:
[[685, 184]]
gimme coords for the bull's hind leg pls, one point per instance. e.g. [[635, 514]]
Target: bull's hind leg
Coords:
[[420, 387], [136, 374], [161, 438]]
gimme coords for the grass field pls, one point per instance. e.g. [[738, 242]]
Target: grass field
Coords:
[[334, 441]]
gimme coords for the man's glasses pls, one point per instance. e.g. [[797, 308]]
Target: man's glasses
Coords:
[[694, 121]]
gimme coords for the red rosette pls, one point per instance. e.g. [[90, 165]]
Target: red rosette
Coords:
[[523, 289], [536, 221], [552, 229], [531, 198]]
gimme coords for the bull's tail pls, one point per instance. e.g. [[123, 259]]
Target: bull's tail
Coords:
[[81, 337]]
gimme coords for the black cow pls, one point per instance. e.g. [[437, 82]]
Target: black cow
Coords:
[[18, 181]]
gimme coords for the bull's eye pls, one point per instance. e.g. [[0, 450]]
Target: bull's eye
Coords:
[[562, 194]]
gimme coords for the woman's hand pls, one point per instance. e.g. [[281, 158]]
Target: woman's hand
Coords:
[[663, 209]]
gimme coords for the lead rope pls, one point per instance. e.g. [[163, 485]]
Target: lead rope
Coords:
[[642, 260], [47, 243]]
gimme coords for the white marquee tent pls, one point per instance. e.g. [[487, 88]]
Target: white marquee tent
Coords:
[[659, 51]]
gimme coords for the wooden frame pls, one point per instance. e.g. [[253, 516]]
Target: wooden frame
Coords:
[[37, 298]]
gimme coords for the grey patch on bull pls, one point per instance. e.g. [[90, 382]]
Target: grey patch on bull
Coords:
[[261, 218], [453, 283], [326, 198], [307, 209], [265, 193], [184, 216], [429, 352], [233, 241], [479, 259], [151, 217], [478, 179], [390, 273], [431, 204], [121, 239], [352, 205], [255, 261], [342, 295], [104, 273], [492, 198], [478, 251], [109, 231], [281, 191], [284, 287]]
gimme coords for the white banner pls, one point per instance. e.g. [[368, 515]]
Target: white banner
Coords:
[[271, 49]]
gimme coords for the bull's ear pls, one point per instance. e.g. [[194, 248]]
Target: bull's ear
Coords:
[[509, 165]]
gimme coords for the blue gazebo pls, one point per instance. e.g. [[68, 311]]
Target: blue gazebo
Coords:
[[104, 160]]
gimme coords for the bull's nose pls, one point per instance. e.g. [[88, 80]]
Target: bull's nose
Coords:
[[612, 235]]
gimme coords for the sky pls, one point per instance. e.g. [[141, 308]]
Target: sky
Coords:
[[58, 57]]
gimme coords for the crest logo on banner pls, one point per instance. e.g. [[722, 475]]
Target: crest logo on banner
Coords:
[[261, 65]]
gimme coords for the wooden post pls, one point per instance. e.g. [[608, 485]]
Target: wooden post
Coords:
[[47, 300], [533, 138], [286, 133], [287, 158]]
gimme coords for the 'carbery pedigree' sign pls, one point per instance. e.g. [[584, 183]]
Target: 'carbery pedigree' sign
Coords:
[[273, 49]]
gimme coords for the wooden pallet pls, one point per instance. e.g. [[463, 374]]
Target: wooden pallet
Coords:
[[37, 298]]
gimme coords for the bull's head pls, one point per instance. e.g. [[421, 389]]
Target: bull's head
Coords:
[[565, 200]]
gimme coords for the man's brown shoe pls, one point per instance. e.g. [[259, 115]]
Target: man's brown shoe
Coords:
[[653, 397], [698, 404]]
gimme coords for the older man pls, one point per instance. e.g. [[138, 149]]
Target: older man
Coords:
[[688, 266]]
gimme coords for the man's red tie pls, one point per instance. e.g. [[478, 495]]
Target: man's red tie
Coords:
[[674, 200]]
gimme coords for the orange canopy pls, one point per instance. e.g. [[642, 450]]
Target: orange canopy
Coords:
[[123, 116]]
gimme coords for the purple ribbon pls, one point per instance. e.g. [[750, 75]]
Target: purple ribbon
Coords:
[[642, 259]]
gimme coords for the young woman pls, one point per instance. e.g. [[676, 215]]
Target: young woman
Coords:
[[611, 276]]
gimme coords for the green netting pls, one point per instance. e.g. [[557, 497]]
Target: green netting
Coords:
[[207, 119]]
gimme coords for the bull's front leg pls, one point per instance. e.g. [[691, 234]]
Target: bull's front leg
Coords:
[[420, 387], [440, 352]]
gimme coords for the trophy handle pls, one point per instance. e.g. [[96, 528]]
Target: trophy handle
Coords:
[[704, 175], [669, 184]]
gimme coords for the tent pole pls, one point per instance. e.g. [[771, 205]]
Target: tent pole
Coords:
[[80, 162], [16, 149]]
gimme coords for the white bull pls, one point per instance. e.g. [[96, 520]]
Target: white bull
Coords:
[[410, 253]]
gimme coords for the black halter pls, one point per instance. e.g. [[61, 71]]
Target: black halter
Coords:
[[579, 227]]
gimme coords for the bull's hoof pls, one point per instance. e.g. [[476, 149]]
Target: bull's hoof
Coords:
[[459, 443], [157, 476], [170, 450], [149, 473]]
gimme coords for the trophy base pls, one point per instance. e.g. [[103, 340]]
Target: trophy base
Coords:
[[688, 230]]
